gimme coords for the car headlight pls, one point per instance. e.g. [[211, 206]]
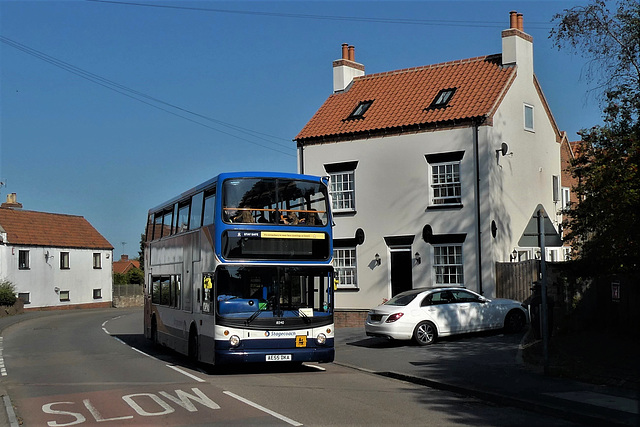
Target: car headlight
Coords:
[[234, 341], [321, 339]]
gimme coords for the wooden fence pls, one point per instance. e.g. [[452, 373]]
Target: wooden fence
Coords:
[[514, 280]]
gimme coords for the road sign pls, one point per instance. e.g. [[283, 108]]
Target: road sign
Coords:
[[530, 235]]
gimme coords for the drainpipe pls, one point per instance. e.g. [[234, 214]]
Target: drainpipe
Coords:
[[301, 153], [476, 148]]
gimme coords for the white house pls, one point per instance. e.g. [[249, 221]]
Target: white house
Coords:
[[54, 260], [436, 171]]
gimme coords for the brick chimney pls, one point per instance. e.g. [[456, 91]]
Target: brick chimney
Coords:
[[346, 69], [517, 46], [11, 202], [124, 257]]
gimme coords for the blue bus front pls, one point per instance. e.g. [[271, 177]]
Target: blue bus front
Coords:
[[273, 290]]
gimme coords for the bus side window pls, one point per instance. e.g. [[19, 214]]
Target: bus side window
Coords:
[[196, 211], [209, 202]]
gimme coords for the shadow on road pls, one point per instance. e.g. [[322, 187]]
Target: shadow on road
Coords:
[[166, 355]]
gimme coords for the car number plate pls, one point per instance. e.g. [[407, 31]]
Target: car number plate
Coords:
[[278, 358]]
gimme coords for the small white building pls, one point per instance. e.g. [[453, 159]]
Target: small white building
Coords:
[[54, 260], [436, 171]]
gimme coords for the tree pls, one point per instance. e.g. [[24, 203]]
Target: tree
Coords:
[[7, 293], [605, 229], [610, 40], [143, 238]]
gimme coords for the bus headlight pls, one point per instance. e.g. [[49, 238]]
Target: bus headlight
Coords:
[[321, 339], [234, 341]]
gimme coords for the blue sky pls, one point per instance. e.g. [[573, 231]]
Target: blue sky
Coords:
[[245, 77]]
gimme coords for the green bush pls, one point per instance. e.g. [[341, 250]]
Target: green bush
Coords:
[[8, 295]]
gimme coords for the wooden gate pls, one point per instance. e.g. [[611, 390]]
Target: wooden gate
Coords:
[[514, 280]]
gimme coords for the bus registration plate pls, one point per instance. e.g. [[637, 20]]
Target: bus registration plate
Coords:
[[278, 358]]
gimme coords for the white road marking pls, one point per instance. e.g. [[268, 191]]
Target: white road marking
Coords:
[[183, 372], [318, 367], [3, 369], [263, 409]]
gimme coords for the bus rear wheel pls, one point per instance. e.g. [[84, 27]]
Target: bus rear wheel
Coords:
[[154, 330], [193, 345]]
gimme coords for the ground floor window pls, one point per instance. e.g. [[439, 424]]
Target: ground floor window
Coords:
[[344, 264], [25, 297], [64, 296], [97, 293], [447, 262]]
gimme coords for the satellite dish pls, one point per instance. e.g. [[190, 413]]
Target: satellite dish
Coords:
[[504, 149]]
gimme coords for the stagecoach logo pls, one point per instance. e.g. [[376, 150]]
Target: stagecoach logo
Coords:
[[280, 334]]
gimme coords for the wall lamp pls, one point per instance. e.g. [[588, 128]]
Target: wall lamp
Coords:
[[418, 258], [513, 256], [378, 260]]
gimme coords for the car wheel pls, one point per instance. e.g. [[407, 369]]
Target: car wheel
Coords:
[[425, 333], [514, 321]]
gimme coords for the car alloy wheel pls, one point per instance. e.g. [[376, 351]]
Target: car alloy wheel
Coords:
[[515, 321], [425, 333]]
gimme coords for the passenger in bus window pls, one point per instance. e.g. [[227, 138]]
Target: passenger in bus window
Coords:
[[291, 218], [244, 217]]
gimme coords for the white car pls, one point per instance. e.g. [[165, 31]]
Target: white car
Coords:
[[427, 313]]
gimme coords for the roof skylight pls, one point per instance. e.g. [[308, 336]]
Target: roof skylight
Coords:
[[358, 113], [443, 98]]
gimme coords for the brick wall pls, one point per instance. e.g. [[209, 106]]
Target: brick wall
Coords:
[[350, 319]]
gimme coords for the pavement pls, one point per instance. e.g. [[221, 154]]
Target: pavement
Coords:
[[487, 366]]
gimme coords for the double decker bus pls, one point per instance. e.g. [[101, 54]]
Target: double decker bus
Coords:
[[238, 269]]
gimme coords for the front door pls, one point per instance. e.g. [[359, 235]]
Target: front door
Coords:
[[401, 264]]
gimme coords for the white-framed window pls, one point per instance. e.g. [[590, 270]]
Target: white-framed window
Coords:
[[64, 260], [566, 197], [342, 185], [25, 297], [342, 191], [23, 260], [446, 188], [97, 261], [528, 118], [97, 293], [448, 266], [344, 264]]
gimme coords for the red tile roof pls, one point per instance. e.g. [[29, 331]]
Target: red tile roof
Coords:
[[401, 99], [48, 229], [124, 266]]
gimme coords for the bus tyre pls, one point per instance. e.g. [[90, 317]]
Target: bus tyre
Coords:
[[193, 345], [154, 330]]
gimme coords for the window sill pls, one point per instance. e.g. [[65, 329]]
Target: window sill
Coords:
[[344, 213], [443, 207]]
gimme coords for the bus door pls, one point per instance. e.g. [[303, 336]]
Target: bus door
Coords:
[[207, 324]]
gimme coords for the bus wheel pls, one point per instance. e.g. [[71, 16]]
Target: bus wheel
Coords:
[[193, 345], [154, 330]]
